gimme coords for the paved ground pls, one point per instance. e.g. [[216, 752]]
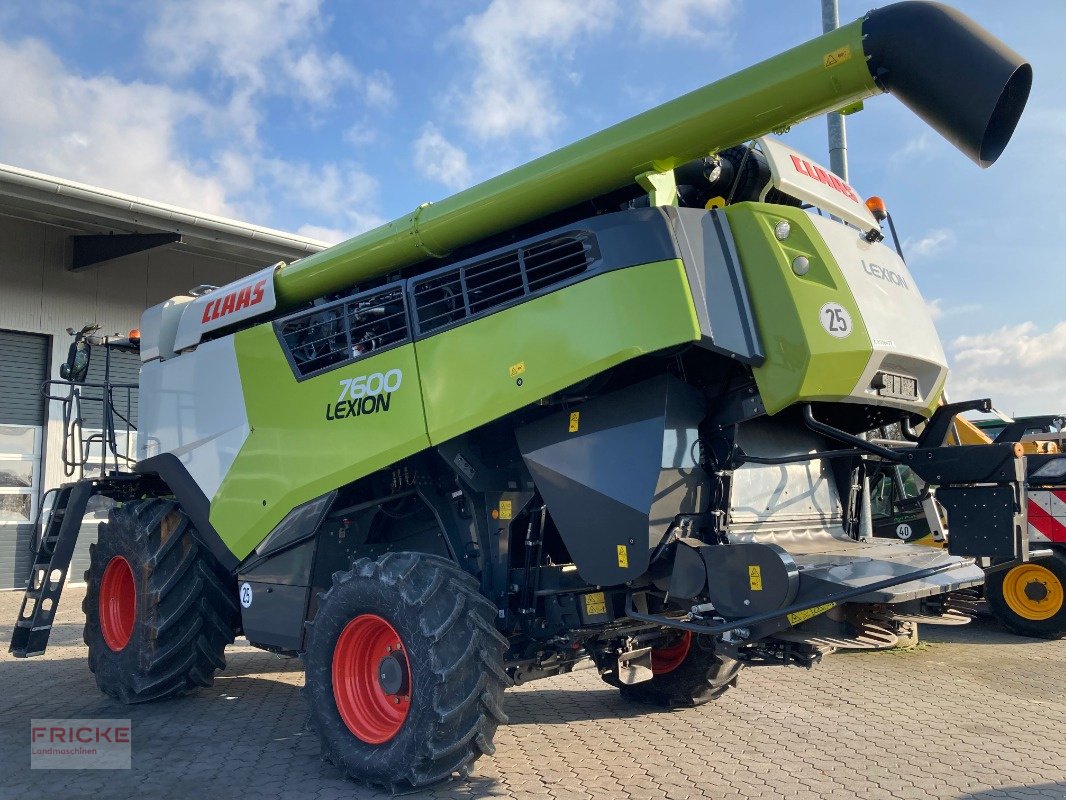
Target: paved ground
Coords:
[[974, 714]]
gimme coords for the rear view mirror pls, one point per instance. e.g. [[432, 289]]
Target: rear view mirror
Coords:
[[77, 365]]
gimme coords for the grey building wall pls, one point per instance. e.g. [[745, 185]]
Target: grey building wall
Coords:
[[39, 295]]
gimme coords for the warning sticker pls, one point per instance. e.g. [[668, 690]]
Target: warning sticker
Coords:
[[623, 556], [802, 616], [838, 56], [595, 604], [505, 509], [755, 577], [575, 421], [517, 369]]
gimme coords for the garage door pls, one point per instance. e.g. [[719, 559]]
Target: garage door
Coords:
[[23, 366]]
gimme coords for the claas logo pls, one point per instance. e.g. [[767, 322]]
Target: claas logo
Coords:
[[234, 301], [829, 179]]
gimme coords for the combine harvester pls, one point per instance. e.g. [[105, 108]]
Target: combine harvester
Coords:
[[607, 405]]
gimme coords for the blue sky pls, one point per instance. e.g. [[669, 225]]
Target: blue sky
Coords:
[[328, 118]]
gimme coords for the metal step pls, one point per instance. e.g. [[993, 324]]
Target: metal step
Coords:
[[49, 572]]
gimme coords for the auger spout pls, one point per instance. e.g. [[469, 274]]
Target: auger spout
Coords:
[[955, 75]]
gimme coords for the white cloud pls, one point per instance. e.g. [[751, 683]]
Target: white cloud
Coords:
[[1022, 368], [338, 195], [360, 134], [327, 235], [938, 310], [131, 137], [377, 87], [933, 243], [515, 46], [441, 160], [256, 49], [102, 131], [261, 46], [917, 149], [686, 19]]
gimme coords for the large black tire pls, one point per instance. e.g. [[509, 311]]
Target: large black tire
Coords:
[[686, 679], [1030, 599], [168, 611], [453, 655]]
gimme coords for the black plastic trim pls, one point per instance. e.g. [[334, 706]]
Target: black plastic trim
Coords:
[[619, 240], [193, 502], [781, 614]]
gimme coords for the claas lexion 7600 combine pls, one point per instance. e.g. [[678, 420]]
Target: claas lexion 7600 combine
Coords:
[[607, 405]]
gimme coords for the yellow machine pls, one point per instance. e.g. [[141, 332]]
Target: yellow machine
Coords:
[[1029, 599], [1036, 443]]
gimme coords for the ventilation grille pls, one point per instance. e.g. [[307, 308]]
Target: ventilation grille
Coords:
[[329, 336], [454, 295]]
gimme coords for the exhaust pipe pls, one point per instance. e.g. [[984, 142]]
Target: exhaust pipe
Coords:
[[952, 73], [963, 81]]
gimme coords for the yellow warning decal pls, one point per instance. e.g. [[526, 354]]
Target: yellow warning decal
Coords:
[[802, 616], [505, 509], [838, 56], [755, 577], [623, 556], [595, 604], [517, 369], [575, 421]]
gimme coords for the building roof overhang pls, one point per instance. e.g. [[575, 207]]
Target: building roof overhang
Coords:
[[90, 210]]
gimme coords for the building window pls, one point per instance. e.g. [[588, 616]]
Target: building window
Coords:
[[20, 472]]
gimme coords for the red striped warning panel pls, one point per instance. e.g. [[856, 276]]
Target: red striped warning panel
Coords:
[[1047, 515]]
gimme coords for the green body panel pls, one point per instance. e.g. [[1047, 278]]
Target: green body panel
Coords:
[[803, 361], [469, 376], [479, 371], [294, 452], [824, 74]]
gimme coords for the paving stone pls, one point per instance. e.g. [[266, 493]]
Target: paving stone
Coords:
[[962, 719]]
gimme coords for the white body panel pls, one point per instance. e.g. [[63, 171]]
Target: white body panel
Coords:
[[799, 497], [159, 326], [193, 407], [797, 175], [243, 299], [905, 341]]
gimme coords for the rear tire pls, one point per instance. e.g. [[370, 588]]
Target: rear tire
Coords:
[[688, 673], [426, 702], [159, 611], [1030, 599]]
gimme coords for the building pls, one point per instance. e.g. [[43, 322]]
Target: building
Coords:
[[72, 254]]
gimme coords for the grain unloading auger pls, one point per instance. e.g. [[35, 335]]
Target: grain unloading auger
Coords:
[[607, 405]]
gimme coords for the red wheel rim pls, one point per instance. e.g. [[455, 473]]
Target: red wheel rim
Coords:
[[118, 603], [667, 659], [371, 679]]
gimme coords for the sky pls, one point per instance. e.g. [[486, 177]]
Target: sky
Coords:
[[329, 118]]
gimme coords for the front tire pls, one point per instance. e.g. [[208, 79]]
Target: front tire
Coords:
[[1030, 599], [404, 671], [687, 673], [159, 611]]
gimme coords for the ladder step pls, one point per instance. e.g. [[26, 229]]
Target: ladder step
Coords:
[[28, 623], [30, 634]]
